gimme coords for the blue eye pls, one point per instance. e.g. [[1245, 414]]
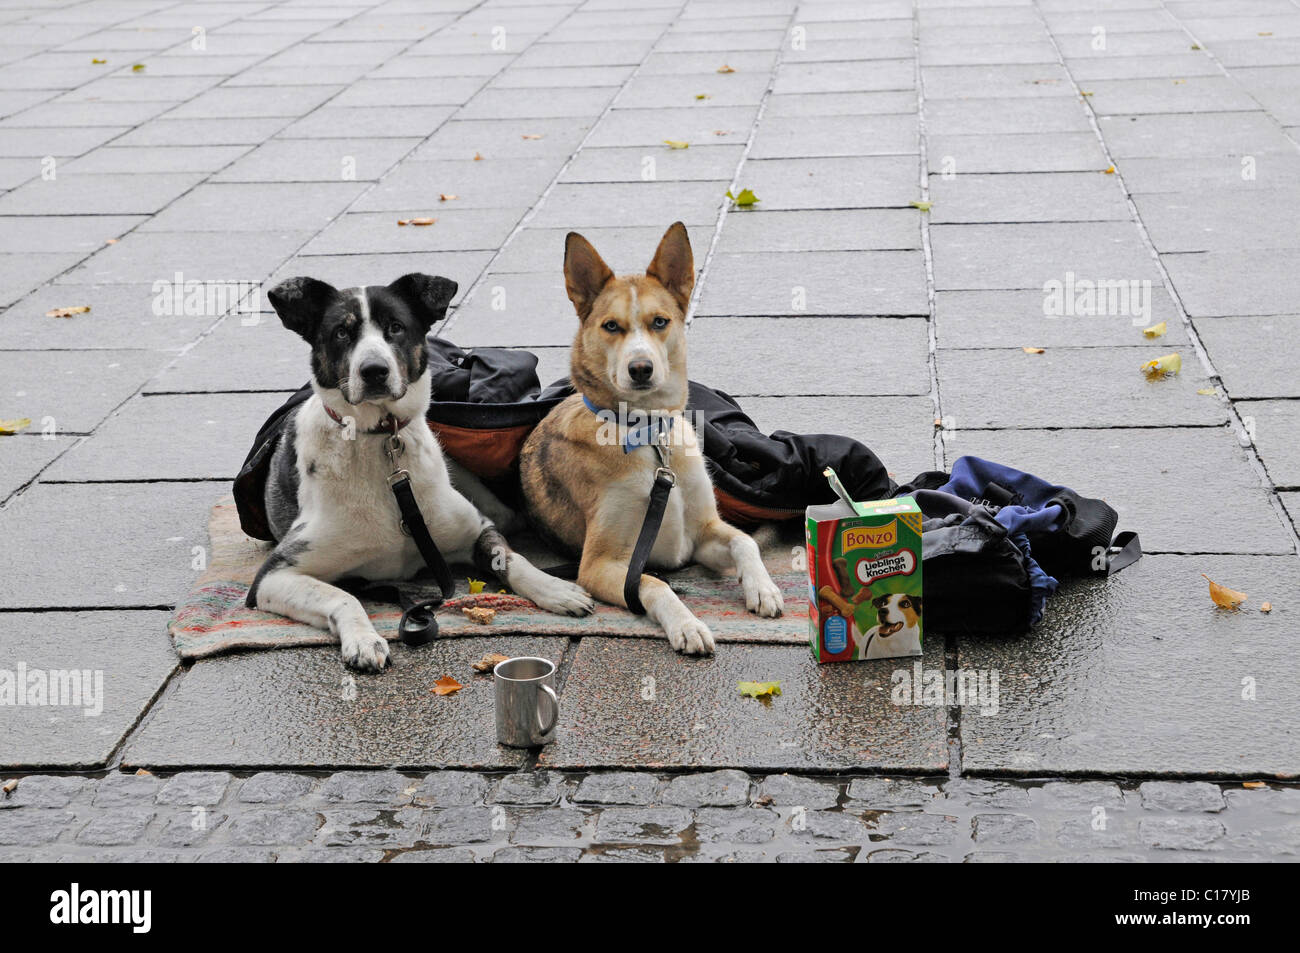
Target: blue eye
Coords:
[[611, 326], [342, 333], [659, 323]]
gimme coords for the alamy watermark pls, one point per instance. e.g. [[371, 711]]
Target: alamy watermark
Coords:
[[632, 428], [1106, 297], [53, 688], [181, 297], [943, 688]]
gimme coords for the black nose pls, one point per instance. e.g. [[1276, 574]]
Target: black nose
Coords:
[[374, 372], [640, 371]]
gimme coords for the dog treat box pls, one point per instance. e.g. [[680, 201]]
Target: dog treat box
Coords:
[[864, 578]]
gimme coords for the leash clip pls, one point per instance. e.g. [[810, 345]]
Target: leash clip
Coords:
[[394, 447], [665, 453], [667, 472]]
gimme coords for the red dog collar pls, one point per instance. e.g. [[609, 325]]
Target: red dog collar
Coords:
[[387, 424]]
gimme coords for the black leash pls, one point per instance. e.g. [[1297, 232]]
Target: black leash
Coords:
[[418, 625], [665, 480]]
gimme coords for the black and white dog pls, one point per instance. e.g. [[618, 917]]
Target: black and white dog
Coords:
[[328, 499]]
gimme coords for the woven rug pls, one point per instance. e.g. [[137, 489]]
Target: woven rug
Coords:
[[213, 619]]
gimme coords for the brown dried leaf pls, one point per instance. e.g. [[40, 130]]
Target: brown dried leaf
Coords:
[[446, 686], [1252, 784], [480, 614], [1033, 350], [724, 68], [142, 773], [447, 196], [1223, 596], [423, 221], [9, 786], [477, 157], [489, 661], [67, 312], [1266, 607], [531, 135]]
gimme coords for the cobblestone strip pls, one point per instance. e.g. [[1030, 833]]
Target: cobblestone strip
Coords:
[[719, 816]]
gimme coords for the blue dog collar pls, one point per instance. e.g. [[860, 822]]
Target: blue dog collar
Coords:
[[646, 435]]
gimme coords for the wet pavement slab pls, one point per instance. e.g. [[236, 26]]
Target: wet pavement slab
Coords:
[[115, 545], [212, 447], [1142, 674], [636, 703], [1188, 489], [88, 677], [302, 708]]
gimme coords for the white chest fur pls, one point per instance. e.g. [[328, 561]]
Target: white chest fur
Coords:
[[690, 507], [347, 503]]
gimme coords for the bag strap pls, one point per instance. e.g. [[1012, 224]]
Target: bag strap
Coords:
[[1125, 549], [665, 480]]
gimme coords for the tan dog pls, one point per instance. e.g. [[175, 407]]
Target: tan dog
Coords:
[[629, 357]]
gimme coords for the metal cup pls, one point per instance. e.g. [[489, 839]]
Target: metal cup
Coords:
[[527, 708]]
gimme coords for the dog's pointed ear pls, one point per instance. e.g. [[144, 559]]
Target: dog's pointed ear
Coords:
[[585, 273], [426, 295], [301, 303], [674, 265]]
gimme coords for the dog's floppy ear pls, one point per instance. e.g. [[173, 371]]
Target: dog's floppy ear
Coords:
[[585, 273], [674, 265], [301, 303], [426, 295]]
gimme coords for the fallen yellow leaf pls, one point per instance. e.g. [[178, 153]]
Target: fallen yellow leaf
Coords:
[[477, 157], [1206, 391], [1252, 784], [446, 685], [923, 206], [68, 312], [137, 68], [1169, 364], [759, 689], [703, 96], [18, 424], [1032, 350], [676, 144], [1223, 596], [1156, 330], [98, 62]]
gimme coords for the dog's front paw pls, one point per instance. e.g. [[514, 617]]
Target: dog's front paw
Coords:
[[563, 597], [763, 598], [365, 650], [690, 636]]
